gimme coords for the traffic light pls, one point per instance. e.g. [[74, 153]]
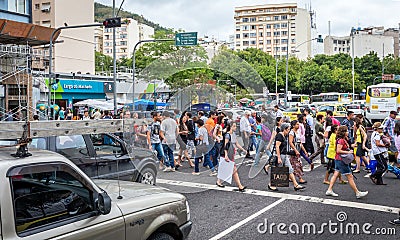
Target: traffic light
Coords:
[[112, 22], [319, 39]]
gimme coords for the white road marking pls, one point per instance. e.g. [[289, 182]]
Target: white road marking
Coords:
[[246, 220], [327, 201]]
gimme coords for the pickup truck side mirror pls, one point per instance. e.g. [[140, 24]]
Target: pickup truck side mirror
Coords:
[[104, 203]]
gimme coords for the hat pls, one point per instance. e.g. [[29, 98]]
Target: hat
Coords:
[[393, 112], [377, 125]]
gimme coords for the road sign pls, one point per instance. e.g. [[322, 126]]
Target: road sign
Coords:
[[387, 77], [186, 39], [265, 92]]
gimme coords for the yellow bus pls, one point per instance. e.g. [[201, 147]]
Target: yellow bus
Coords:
[[331, 98], [381, 99]]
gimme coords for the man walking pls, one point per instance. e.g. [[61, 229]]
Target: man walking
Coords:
[[308, 131], [169, 129], [349, 123], [153, 136], [277, 112], [319, 139], [245, 130], [389, 130]]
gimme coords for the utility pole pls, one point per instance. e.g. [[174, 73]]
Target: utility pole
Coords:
[[287, 66], [114, 65], [352, 59]]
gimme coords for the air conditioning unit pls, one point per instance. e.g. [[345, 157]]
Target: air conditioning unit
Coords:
[[46, 8]]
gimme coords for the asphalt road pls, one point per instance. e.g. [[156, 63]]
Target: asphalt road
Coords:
[[222, 213]]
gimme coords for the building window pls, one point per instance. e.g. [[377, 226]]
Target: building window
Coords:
[[18, 6], [276, 49], [237, 28], [245, 43], [268, 34], [260, 19], [245, 35], [268, 26], [253, 34], [277, 33], [284, 41], [253, 19], [277, 25], [284, 25], [245, 20], [37, 6], [334, 41], [253, 42], [284, 17], [276, 18], [123, 43], [46, 23], [237, 36], [293, 40], [268, 18], [335, 49], [260, 34], [122, 36], [261, 42], [283, 49], [284, 33], [253, 27], [245, 27], [276, 41], [268, 41]]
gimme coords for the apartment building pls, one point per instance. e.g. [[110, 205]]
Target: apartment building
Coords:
[[16, 10], [276, 29], [130, 33], [366, 40], [395, 33], [74, 52], [98, 39]]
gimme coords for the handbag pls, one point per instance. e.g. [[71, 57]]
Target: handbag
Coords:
[[279, 176], [347, 158]]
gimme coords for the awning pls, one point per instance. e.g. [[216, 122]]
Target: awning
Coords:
[[19, 33]]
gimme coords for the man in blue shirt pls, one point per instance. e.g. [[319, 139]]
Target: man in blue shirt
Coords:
[[389, 130]]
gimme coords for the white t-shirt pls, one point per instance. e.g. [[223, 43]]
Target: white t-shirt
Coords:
[[168, 127], [245, 124], [327, 129], [375, 149], [203, 132]]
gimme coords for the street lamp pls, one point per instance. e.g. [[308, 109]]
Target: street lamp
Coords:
[[352, 57]]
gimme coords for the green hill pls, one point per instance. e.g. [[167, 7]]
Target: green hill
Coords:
[[102, 12]]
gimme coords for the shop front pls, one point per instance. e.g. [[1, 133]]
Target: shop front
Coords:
[[67, 92]]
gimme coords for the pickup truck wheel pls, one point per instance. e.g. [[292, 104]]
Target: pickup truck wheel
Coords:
[[147, 176], [160, 236]]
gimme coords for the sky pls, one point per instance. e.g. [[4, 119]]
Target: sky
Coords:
[[214, 18]]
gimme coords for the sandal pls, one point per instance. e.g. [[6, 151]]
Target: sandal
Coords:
[[343, 182], [220, 185], [326, 182]]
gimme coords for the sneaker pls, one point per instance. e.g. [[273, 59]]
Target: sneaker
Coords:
[[395, 222], [196, 173], [361, 194], [173, 168], [214, 173], [167, 169], [331, 193]]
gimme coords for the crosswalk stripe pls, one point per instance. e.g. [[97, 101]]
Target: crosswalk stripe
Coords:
[[327, 201]]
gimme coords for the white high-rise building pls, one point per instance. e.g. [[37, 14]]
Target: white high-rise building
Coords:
[[366, 40], [273, 28], [130, 33]]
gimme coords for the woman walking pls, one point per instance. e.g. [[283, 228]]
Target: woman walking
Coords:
[[282, 148], [380, 151], [302, 137], [218, 137], [296, 148], [361, 149], [330, 167], [328, 124], [342, 148], [182, 141], [228, 152]]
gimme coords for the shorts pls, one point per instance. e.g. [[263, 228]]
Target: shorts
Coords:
[[360, 152], [286, 163], [182, 143], [343, 168]]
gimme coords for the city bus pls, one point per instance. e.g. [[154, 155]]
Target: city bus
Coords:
[[381, 99], [331, 98], [298, 99]]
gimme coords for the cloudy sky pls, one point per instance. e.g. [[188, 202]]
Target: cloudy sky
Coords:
[[215, 17]]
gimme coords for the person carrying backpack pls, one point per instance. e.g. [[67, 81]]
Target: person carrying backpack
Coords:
[[263, 137]]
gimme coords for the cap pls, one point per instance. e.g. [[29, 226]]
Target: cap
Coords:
[[393, 112], [377, 125]]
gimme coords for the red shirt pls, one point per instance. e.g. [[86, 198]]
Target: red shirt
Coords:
[[345, 147]]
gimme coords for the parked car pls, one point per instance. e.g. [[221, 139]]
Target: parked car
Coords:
[[357, 109], [103, 156], [46, 196], [337, 110], [293, 112]]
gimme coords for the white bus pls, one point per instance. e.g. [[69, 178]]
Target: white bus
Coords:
[[331, 98], [381, 99], [298, 99]]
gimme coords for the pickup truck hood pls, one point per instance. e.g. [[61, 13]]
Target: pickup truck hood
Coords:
[[137, 196]]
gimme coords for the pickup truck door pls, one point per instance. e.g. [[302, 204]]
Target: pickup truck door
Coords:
[[54, 201]]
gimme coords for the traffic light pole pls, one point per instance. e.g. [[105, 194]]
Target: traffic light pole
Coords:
[[55, 31], [114, 65], [134, 66]]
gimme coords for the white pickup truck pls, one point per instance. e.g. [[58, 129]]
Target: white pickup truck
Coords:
[[46, 196]]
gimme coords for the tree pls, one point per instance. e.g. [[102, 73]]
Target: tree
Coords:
[[102, 62]]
